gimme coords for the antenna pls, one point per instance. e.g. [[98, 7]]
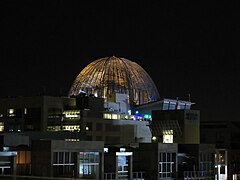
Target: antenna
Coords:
[[189, 97]]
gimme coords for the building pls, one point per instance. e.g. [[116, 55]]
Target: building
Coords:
[[112, 125], [176, 126], [84, 115], [58, 158], [175, 161], [21, 114], [15, 155], [225, 134]]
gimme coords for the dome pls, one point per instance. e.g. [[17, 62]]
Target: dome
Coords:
[[110, 75]]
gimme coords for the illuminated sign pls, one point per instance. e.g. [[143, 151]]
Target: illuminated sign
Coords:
[[106, 150], [122, 149], [124, 153], [8, 153]]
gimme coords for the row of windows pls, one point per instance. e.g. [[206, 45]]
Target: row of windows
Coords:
[[52, 113], [63, 158], [167, 157], [89, 127], [89, 157], [55, 113], [11, 112]]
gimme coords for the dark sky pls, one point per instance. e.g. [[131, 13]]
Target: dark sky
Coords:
[[185, 46]]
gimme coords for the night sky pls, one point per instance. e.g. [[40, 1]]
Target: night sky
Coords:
[[187, 47]]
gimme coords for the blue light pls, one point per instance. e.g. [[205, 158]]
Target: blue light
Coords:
[[137, 112]]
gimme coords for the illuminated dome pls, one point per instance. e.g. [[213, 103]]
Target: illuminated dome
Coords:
[[110, 75]]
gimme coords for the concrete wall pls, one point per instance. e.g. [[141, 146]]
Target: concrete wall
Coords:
[[149, 156], [41, 158]]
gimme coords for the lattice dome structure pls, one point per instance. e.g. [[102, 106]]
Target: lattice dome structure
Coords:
[[110, 75]]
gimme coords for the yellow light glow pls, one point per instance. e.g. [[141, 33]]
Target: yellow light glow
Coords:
[[167, 138], [154, 138], [1, 126]]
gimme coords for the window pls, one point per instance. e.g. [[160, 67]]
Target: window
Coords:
[[167, 136], [167, 164], [1, 126], [71, 128], [107, 116], [54, 128], [111, 116], [63, 163], [89, 165], [11, 112], [71, 114], [114, 116]]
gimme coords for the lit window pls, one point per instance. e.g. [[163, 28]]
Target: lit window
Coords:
[[53, 128], [106, 116], [114, 116], [72, 140], [72, 114], [71, 128], [111, 116], [11, 112], [1, 126], [25, 110], [167, 136]]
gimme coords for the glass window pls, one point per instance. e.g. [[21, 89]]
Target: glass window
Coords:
[[55, 158], [67, 160], [166, 164], [89, 165], [61, 157], [1, 126], [107, 116]]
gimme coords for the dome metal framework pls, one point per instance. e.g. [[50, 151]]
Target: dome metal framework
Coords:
[[110, 75]]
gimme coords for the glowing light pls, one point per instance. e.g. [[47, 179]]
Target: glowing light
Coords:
[[154, 138], [167, 136], [122, 149], [106, 150], [110, 75]]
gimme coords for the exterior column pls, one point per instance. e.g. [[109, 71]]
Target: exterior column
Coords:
[[14, 166], [130, 168], [101, 166], [116, 168]]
